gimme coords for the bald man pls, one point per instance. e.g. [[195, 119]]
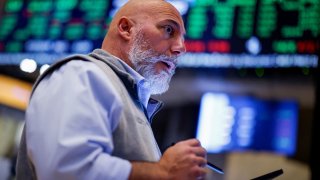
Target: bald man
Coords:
[[89, 115]]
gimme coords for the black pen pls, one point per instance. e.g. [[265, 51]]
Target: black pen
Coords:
[[214, 168], [270, 175], [210, 165]]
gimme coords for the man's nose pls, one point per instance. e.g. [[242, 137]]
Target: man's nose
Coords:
[[178, 47]]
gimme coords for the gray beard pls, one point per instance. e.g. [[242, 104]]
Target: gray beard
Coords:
[[144, 63]]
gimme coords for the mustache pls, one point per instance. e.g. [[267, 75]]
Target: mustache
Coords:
[[165, 58]]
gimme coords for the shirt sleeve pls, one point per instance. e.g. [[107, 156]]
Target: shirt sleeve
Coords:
[[70, 120]]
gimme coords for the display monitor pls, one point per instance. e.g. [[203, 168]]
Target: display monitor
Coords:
[[219, 33], [240, 123]]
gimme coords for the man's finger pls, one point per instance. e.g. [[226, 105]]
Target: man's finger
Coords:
[[193, 142], [199, 151]]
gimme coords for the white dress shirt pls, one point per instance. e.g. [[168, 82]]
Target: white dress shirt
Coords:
[[70, 120]]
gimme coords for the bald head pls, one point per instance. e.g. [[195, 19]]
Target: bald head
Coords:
[[134, 16], [140, 9]]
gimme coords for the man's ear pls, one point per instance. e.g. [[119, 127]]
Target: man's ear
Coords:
[[124, 28]]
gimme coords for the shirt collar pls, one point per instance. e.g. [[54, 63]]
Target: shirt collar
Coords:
[[143, 92]]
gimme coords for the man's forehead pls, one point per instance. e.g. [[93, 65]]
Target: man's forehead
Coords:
[[168, 13]]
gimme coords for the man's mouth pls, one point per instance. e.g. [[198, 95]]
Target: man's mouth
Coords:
[[169, 64]]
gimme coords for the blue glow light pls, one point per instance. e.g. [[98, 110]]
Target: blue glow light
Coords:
[[253, 45]]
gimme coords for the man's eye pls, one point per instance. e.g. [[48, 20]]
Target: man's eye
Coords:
[[169, 30]]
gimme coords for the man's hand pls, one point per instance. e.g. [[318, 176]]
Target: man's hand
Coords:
[[185, 160]]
